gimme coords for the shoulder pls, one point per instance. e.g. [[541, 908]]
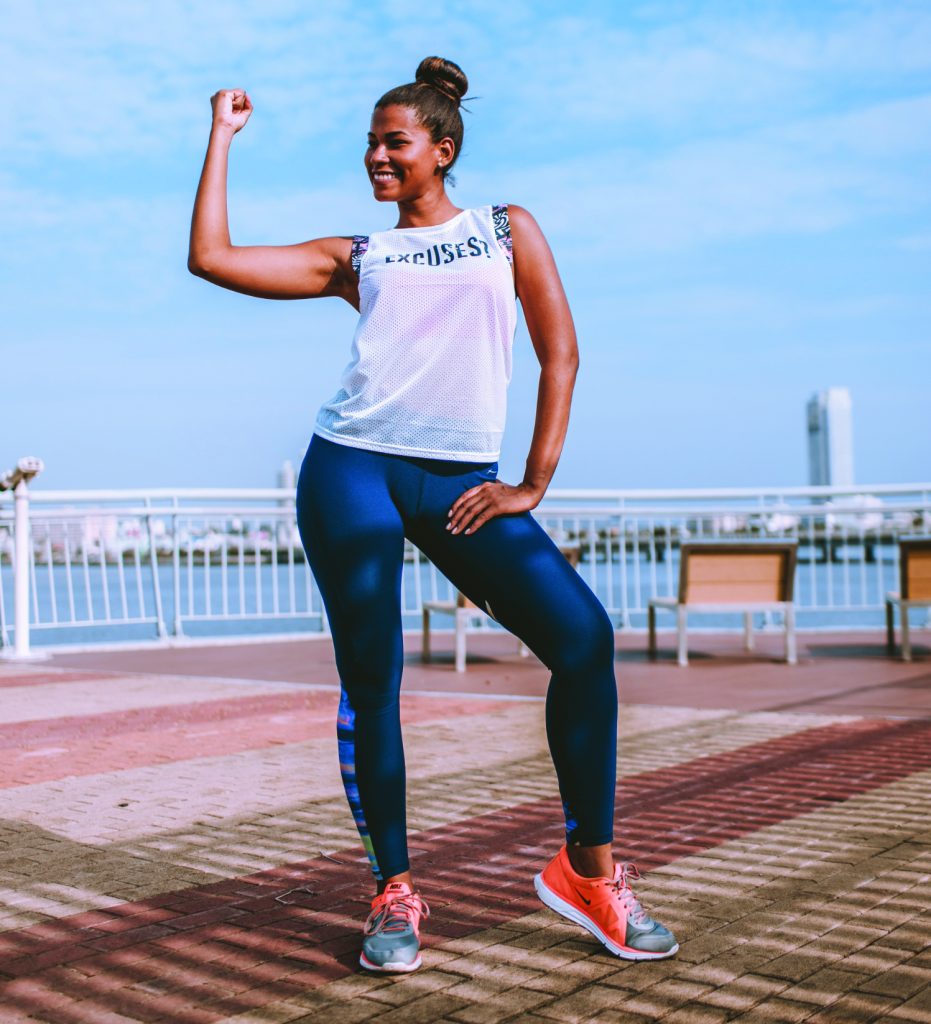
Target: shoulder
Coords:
[[516, 214], [523, 230], [519, 220]]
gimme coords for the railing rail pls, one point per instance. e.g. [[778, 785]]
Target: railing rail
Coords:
[[101, 565]]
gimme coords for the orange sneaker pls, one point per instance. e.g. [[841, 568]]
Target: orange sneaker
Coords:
[[607, 907]]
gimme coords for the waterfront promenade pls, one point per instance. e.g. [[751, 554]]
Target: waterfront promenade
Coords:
[[176, 845]]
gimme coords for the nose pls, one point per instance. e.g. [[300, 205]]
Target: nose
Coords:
[[378, 154]]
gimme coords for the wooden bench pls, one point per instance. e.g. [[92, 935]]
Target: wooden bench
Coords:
[[466, 611], [914, 589], [726, 576]]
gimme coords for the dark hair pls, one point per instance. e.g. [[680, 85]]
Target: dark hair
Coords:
[[435, 96]]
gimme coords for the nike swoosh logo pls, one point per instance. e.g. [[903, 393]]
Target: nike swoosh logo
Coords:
[[587, 903]]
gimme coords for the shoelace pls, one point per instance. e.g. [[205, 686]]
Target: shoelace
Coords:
[[623, 892], [396, 914]]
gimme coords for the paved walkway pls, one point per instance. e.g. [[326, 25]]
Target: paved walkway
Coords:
[[175, 845]]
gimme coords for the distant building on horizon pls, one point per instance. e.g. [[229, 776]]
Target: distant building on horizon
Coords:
[[830, 438]]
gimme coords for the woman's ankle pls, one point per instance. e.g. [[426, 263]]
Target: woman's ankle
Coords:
[[591, 861], [404, 877]]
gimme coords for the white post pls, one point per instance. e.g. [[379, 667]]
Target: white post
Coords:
[[682, 629], [286, 481], [17, 481], [791, 650], [22, 537]]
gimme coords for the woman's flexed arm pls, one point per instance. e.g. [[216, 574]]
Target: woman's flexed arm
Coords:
[[304, 271]]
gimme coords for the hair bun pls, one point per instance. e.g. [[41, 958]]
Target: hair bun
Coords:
[[444, 76]]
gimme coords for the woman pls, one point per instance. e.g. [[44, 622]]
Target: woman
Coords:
[[408, 447]]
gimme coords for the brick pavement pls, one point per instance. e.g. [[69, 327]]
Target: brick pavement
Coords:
[[178, 849]]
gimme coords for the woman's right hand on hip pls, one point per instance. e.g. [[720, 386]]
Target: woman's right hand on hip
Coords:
[[231, 109]]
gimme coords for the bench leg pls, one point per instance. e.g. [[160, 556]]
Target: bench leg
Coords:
[[791, 653], [425, 637], [748, 631], [651, 631], [461, 615], [906, 638], [890, 628], [681, 623]]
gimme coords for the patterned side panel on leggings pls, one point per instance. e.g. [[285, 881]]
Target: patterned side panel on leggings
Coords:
[[571, 823], [346, 738]]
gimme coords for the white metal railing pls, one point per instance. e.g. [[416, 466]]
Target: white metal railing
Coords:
[[106, 565]]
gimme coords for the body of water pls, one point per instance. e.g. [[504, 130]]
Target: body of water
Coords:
[[118, 602]]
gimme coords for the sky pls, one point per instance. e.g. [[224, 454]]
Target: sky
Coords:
[[738, 196]]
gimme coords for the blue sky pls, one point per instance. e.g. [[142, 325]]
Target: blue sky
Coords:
[[737, 195]]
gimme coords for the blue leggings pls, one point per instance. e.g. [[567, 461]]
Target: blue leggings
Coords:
[[354, 509]]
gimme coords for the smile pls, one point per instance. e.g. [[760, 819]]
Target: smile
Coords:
[[384, 176]]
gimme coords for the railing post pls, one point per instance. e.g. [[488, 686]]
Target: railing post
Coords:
[[17, 481], [178, 629], [160, 629]]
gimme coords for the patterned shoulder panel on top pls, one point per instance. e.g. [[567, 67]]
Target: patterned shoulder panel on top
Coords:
[[499, 216], [360, 244]]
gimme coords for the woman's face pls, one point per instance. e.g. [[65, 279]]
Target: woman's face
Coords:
[[401, 159]]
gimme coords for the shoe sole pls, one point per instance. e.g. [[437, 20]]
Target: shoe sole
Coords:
[[392, 967], [575, 915]]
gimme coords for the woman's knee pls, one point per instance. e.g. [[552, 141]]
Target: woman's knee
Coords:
[[370, 663], [586, 644], [371, 693]]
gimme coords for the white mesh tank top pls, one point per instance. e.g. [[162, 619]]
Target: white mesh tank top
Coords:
[[431, 357]]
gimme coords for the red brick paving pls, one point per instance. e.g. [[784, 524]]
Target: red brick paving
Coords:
[[74, 745], [837, 673], [231, 946], [58, 676]]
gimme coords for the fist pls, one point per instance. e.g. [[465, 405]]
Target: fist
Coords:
[[231, 108]]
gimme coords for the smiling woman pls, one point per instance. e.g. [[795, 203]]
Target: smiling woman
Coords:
[[435, 108], [408, 448]]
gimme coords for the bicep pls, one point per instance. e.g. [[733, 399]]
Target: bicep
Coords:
[[306, 270], [540, 290]]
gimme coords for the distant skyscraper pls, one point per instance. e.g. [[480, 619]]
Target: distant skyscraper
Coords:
[[830, 438]]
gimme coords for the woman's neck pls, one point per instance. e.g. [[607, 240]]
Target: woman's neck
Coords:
[[425, 211]]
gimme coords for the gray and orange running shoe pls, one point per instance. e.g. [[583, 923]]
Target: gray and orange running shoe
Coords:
[[607, 907], [391, 936]]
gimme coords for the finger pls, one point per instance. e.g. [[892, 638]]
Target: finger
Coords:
[[462, 507], [466, 495], [464, 500], [465, 521], [479, 521]]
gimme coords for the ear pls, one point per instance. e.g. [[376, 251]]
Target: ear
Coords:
[[445, 150]]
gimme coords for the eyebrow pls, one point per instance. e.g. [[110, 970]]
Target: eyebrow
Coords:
[[400, 131]]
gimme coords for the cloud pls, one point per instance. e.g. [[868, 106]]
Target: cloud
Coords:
[[121, 78], [127, 78], [807, 177]]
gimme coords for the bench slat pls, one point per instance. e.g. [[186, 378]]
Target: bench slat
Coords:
[[733, 593], [919, 573], [734, 577]]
